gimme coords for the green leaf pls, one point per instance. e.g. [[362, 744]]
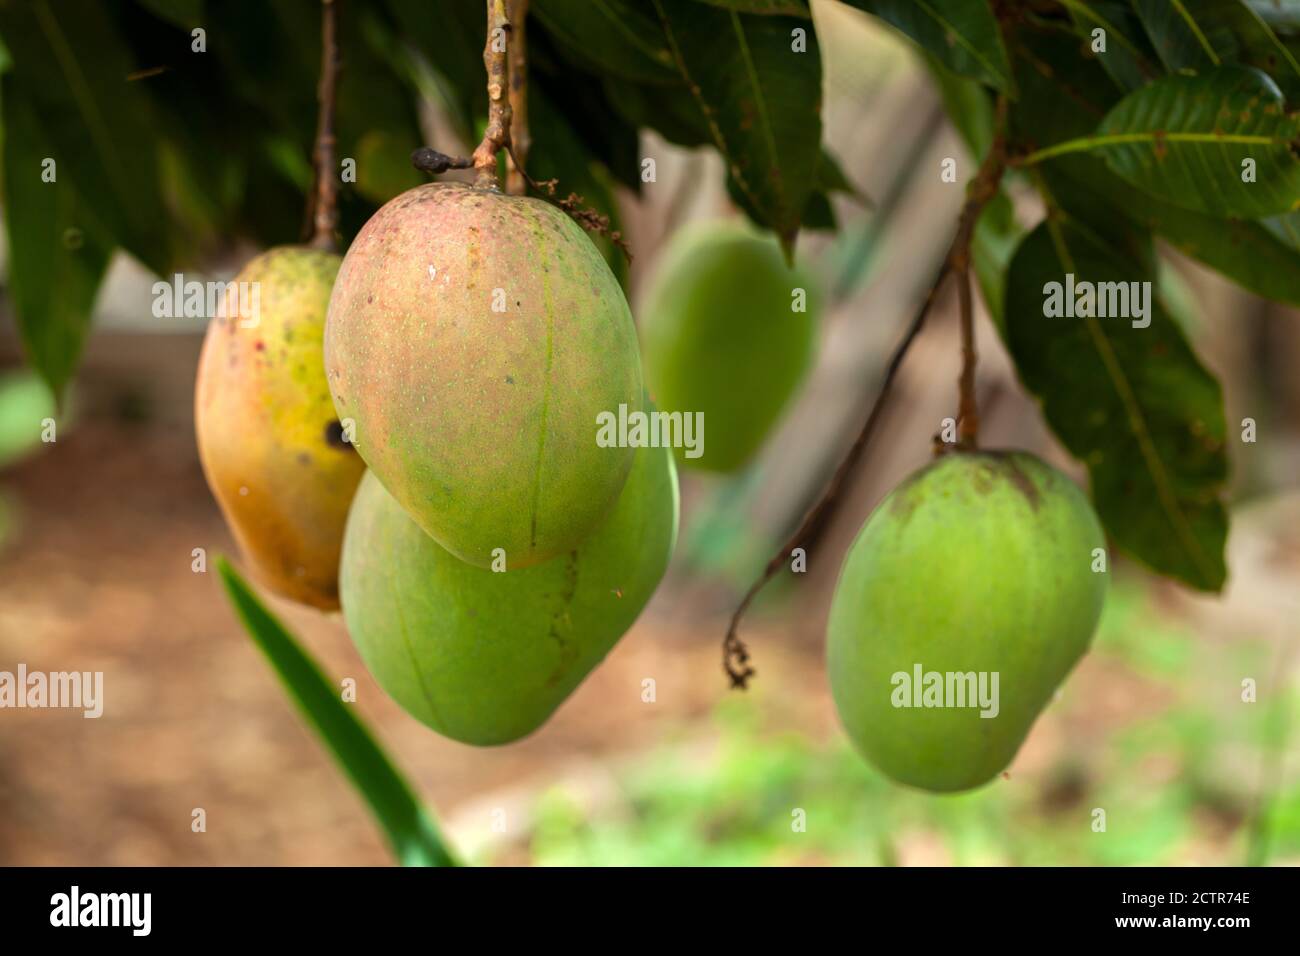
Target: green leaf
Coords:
[[792, 8], [612, 37], [450, 34], [1261, 259], [559, 153], [73, 66], [761, 99], [1128, 57], [1199, 34], [1134, 404], [1185, 139], [962, 34], [57, 252], [409, 827]]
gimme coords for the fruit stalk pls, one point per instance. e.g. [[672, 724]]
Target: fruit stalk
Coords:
[[520, 139], [981, 189], [325, 213], [967, 408], [496, 59]]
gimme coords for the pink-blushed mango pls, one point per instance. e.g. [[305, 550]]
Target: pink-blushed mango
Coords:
[[965, 600], [485, 657], [474, 338], [271, 446]]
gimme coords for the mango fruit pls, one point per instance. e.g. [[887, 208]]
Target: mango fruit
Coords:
[[482, 656], [722, 337], [474, 338], [271, 446], [979, 564]]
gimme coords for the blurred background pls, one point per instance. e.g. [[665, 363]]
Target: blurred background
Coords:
[[98, 528]]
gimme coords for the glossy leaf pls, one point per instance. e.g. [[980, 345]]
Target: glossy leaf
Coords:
[[1200, 34], [1134, 404], [409, 828], [963, 34], [57, 252], [73, 66], [761, 100], [1080, 183], [1191, 140]]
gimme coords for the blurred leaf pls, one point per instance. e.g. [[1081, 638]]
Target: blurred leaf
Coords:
[[997, 235], [57, 252], [451, 35], [1185, 138], [1134, 404], [761, 99], [605, 135], [558, 153], [793, 8], [182, 13], [384, 166], [613, 37], [670, 111], [73, 68], [962, 34], [410, 829]]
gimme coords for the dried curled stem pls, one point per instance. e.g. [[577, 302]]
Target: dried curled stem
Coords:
[[324, 202], [981, 189], [496, 59], [520, 139]]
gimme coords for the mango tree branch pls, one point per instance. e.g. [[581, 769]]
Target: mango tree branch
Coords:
[[325, 203], [496, 60], [520, 140], [981, 189]]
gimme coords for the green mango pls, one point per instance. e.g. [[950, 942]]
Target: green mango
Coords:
[[721, 337], [484, 657], [978, 564]]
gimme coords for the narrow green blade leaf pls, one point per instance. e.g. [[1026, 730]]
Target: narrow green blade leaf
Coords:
[[409, 827], [57, 253], [1220, 143], [1133, 403], [963, 34], [761, 96]]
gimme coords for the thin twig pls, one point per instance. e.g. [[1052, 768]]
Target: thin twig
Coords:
[[325, 213], [496, 59], [520, 139], [968, 425], [981, 189]]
